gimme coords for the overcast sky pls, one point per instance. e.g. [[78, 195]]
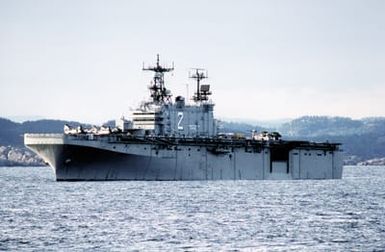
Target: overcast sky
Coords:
[[81, 60]]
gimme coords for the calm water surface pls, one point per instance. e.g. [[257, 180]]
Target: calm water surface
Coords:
[[334, 215]]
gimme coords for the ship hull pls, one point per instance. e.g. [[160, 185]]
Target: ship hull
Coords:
[[93, 160]]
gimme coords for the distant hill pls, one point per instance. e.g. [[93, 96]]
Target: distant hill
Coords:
[[11, 133], [362, 139], [311, 126], [244, 128]]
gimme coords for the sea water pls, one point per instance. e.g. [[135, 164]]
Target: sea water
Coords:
[[37, 213]]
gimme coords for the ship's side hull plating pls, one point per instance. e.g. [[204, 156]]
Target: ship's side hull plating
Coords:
[[93, 160]]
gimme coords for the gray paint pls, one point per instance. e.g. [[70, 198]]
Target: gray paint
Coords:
[[177, 141], [74, 159]]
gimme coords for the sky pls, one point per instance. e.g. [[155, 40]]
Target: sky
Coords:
[[82, 60]]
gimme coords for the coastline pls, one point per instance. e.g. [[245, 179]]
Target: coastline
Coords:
[[13, 156]]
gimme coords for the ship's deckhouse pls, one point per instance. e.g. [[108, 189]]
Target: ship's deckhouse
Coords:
[[190, 121], [163, 117], [146, 120]]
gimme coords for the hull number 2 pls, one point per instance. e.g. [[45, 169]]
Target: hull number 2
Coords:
[[180, 118]]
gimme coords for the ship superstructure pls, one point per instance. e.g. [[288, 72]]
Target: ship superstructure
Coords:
[[170, 139]]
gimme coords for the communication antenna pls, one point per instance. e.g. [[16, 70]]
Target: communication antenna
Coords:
[[158, 90], [187, 90], [203, 90]]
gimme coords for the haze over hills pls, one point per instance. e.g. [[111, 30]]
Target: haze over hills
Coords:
[[273, 123], [11, 133], [314, 126], [362, 139]]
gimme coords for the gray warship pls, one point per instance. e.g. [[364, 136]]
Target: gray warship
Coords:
[[172, 139]]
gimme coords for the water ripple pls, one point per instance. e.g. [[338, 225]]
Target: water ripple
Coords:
[[37, 213]]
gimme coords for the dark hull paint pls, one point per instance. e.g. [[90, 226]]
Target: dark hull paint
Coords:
[[82, 163]]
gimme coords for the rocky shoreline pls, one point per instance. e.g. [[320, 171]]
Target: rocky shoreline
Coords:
[[13, 156]]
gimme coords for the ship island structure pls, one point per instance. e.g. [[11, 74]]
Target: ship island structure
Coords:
[[171, 139]]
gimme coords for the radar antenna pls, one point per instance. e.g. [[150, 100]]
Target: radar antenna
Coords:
[[203, 90], [158, 90]]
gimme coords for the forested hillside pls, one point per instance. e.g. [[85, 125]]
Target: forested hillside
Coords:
[[361, 139]]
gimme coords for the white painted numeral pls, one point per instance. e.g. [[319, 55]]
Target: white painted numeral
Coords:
[[180, 118]]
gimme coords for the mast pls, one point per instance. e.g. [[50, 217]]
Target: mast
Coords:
[[158, 90], [203, 90]]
